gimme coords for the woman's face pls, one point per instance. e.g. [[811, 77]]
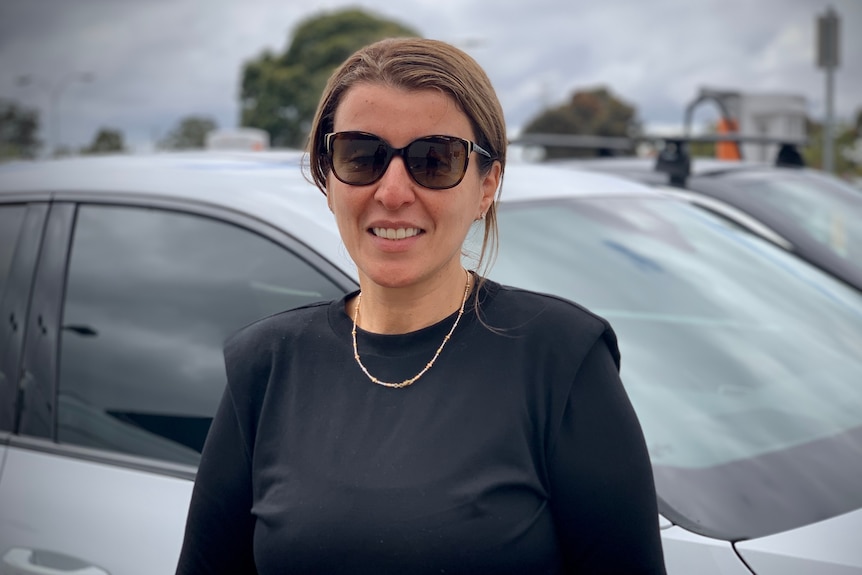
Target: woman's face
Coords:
[[430, 224]]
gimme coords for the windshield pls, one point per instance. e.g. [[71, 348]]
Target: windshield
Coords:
[[825, 208], [743, 362]]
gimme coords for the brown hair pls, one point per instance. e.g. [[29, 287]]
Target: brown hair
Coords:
[[419, 64]]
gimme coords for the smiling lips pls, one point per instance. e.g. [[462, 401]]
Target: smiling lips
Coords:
[[395, 234]]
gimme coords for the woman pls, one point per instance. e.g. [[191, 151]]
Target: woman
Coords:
[[434, 421]]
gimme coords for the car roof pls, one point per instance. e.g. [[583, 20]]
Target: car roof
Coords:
[[699, 165], [267, 178], [269, 186]]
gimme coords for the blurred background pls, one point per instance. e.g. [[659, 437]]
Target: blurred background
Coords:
[[95, 76]]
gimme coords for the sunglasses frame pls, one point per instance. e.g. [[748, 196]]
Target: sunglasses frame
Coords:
[[392, 151]]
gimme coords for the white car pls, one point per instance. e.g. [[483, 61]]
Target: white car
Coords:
[[820, 215], [121, 276]]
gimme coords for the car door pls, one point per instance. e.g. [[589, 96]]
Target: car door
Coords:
[[122, 372], [20, 234]]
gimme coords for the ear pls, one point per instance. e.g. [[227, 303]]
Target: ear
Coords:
[[490, 183]]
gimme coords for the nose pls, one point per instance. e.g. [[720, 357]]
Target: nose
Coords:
[[395, 188]]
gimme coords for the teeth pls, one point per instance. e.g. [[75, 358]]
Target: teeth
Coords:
[[393, 234]]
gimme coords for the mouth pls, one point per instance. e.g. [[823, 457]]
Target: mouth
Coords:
[[395, 233]]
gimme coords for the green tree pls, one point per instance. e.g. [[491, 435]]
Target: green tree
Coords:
[[595, 112], [280, 92], [105, 141], [18, 128], [189, 134]]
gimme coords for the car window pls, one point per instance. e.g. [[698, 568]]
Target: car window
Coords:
[[11, 220], [151, 296], [826, 209], [12, 310], [741, 360]]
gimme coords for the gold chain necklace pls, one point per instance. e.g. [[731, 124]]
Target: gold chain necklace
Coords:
[[428, 365]]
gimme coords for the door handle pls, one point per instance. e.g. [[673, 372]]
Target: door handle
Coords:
[[19, 561]]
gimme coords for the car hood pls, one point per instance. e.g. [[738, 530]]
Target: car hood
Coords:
[[830, 547]]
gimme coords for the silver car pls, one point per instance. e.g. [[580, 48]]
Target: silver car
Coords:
[[120, 277], [819, 215]]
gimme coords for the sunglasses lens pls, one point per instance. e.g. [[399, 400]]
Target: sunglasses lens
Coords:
[[437, 163], [359, 159]]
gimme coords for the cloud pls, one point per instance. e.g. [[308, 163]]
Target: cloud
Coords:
[[157, 61]]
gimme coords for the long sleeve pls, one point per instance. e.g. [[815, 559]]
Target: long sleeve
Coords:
[[220, 527], [602, 490]]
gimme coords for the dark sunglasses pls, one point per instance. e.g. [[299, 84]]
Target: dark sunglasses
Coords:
[[434, 162]]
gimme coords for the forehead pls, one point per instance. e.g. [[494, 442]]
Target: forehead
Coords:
[[397, 113]]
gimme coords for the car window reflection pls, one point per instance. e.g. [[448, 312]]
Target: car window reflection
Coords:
[[151, 296], [11, 221], [826, 210], [741, 360]]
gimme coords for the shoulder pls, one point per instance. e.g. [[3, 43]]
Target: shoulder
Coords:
[[549, 307], [551, 320], [253, 351], [267, 332], [257, 354]]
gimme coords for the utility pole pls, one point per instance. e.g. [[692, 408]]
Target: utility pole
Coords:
[[55, 102], [54, 94], [827, 58]]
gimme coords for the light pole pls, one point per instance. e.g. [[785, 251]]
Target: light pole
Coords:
[[54, 93], [828, 50], [55, 102]]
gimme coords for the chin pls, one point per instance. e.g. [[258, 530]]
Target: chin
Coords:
[[392, 281], [393, 276]]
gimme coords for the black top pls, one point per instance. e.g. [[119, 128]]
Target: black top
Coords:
[[517, 452]]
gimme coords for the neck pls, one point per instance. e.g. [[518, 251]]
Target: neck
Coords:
[[402, 310]]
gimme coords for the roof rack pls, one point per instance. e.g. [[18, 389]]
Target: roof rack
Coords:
[[675, 161], [673, 157]]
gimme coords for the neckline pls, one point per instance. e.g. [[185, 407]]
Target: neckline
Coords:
[[409, 343]]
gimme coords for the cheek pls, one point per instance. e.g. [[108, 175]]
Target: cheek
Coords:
[[328, 191], [346, 206], [336, 198], [471, 207], [458, 215]]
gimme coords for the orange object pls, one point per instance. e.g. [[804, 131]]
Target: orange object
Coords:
[[727, 150]]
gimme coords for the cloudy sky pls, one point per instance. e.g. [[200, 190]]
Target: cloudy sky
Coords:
[[153, 62]]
